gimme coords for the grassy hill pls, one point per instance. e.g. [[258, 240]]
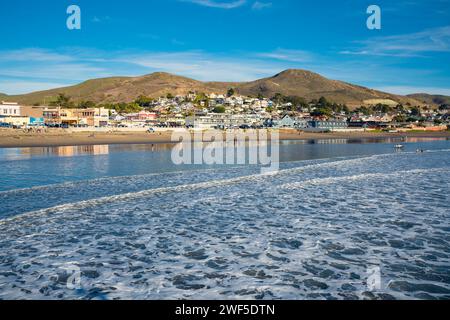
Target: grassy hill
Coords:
[[431, 99], [124, 89], [290, 82], [313, 86]]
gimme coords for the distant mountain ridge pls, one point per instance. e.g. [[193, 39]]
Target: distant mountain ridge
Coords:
[[311, 85], [431, 98], [293, 82]]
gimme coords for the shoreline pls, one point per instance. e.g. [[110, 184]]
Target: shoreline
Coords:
[[14, 139]]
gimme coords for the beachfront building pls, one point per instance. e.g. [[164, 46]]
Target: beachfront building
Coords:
[[216, 121], [15, 121], [285, 122], [35, 113], [200, 122], [301, 123], [176, 121], [69, 117], [51, 115], [92, 117], [142, 116], [11, 114], [328, 125], [9, 109], [136, 120]]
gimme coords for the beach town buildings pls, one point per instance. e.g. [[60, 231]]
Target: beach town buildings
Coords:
[[214, 121], [223, 121], [223, 112], [91, 117], [9, 109], [286, 122], [10, 113], [17, 115], [14, 114], [328, 125], [142, 116]]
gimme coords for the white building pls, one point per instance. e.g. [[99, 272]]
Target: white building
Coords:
[[216, 120], [9, 109]]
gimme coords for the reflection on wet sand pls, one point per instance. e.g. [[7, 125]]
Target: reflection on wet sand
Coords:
[[95, 150], [71, 151]]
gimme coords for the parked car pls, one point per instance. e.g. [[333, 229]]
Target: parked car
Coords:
[[151, 130], [5, 125]]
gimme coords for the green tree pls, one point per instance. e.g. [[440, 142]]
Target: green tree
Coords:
[[123, 107], [86, 105], [200, 99], [415, 112], [132, 107], [323, 102], [364, 110], [143, 101], [383, 108], [278, 98], [231, 92], [346, 109], [63, 101], [322, 111], [298, 102], [400, 118], [219, 109]]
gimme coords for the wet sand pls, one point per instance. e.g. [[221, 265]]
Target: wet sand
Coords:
[[15, 138]]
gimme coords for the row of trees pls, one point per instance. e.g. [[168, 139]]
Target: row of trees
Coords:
[[317, 107], [383, 108], [323, 107], [65, 101]]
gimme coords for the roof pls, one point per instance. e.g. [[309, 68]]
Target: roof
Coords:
[[9, 103]]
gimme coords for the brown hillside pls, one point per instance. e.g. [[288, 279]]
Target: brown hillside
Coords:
[[300, 83], [313, 86]]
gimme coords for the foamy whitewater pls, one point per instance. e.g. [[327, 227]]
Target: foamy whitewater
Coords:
[[310, 231]]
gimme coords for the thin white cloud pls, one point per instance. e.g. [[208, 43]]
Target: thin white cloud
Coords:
[[288, 55], [61, 71], [177, 42], [203, 66], [97, 19], [261, 5], [406, 45], [218, 4], [74, 65], [33, 54]]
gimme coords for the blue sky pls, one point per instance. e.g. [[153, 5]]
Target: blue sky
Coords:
[[234, 40]]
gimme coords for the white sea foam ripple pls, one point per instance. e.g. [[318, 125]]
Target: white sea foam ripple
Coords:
[[306, 232]]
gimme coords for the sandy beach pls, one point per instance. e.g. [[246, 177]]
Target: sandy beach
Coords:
[[57, 137]]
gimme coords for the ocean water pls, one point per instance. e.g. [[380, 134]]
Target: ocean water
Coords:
[[340, 220]]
